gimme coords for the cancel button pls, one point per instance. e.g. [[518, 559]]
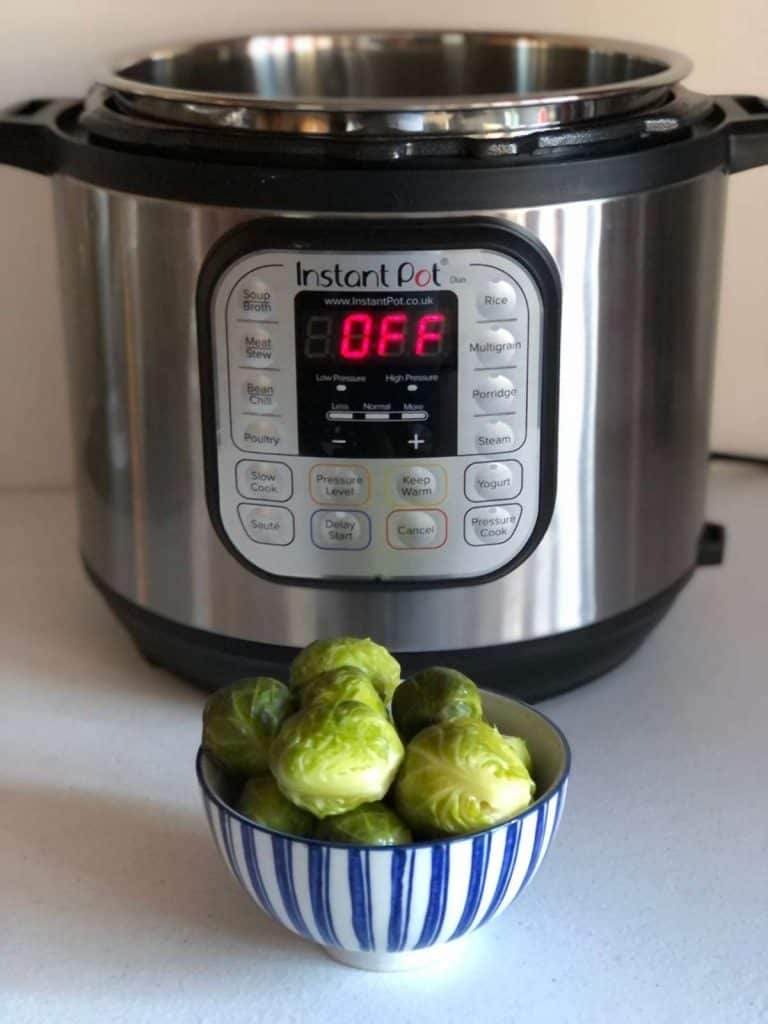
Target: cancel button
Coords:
[[411, 529], [491, 525]]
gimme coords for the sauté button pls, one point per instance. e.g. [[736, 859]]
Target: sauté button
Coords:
[[491, 524], [260, 435], [255, 298], [494, 392], [495, 346], [266, 525], [336, 485], [496, 299], [420, 485], [267, 481], [259, 392], [494, 436], [340, 529], [254, 345], [493, 481], [422, 529]]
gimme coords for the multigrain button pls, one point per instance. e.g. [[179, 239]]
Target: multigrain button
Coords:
[[254, 345], [260, 435], [493, 481], [422, 529], [494, 392], [496, 299], [267, 525], [495, 346], [420, 485], [494, 436], [491, 524], [336, 485], [340, 529], [259, 392], [264, 481]]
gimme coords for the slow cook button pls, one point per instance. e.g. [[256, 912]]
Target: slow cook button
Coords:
[[494, 436], [493, 481], [420, 485], [422, 529], [266, 481], [491, 525], [496, 299], [266, 525], [336, 485], [341, 529], [494, 392], [260, 436], [254, 345], [260, 392]]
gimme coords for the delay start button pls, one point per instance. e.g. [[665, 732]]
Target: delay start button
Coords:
[[340, 529], [493, 524], [426, 528]]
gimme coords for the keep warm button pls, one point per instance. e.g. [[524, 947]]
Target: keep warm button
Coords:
[[412, 529], [491, 525]]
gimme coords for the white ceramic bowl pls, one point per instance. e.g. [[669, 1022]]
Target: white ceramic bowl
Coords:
[[393, 908]]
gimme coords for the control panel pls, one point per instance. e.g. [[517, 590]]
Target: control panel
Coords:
[[378, 414]]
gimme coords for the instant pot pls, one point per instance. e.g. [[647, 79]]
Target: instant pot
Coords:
[[399, 335]]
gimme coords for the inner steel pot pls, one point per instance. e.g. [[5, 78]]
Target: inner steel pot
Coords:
[[481, 83]]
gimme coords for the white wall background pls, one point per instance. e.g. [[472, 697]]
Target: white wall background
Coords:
[[52, 48]]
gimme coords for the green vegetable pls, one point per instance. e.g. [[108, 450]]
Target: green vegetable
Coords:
[[331, 758], [372, 658], [368, 825], [262, 802], [240, 722], [520, 747], [460, 776], [339, 684], [434, 695]]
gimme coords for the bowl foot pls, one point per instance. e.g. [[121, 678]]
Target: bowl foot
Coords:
[[409, 960]]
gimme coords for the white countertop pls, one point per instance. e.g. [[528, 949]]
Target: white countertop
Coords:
[[114, 906]]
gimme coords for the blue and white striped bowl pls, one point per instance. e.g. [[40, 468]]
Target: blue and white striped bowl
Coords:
[[393, 908]]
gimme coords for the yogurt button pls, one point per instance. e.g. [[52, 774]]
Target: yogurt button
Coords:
[[496, 299], [494, 436], [493, 481]]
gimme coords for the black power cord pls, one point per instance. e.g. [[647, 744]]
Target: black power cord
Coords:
[[756, 460]]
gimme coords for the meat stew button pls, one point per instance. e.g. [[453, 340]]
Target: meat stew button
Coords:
[[493, 524], [422, 529]]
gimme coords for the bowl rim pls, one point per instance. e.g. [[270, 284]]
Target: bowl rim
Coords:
[[556, 786]]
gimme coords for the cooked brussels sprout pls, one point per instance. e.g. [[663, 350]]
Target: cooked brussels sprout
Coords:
[[331, 758], [460, 776], [520, 747], [434, 695], [372, 658], [338, 684], [240, 722], [262, 802], [368, 825]]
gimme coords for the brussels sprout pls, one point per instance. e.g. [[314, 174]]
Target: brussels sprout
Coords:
[[323, 655], [262, 802], [368, 825], [240, 722], [330, 758], [434, 695], [520, 747], [460, 776], [338, 684]]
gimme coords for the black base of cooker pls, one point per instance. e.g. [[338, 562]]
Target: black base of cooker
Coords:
[[532, 670]]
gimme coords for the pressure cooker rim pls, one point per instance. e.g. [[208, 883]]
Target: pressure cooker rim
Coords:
[[269, 82]]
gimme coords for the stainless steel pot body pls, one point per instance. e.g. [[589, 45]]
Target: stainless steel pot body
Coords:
[[640, 279]]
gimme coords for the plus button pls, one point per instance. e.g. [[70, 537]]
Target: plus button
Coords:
[[416, 441]]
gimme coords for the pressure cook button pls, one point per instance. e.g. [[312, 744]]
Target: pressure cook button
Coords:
[[254, 298], [334, 485], [494, 392], [496, 299], [340, 529], [491, 524], [420, 485], [493, 481], [267, 525], [495, 346], [422, 529], [266, 481], [260, 435], [260, 392], [254, 345], [494, 436]]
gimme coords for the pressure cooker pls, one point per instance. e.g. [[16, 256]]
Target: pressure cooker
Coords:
[[401, 335]]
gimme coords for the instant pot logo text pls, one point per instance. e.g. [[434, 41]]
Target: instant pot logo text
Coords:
[[382, 276]]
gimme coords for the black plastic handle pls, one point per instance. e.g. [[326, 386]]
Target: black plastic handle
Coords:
[[27, 136], [747, 129]]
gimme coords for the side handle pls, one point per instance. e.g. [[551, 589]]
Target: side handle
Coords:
[[747, 131], [28, 136]]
